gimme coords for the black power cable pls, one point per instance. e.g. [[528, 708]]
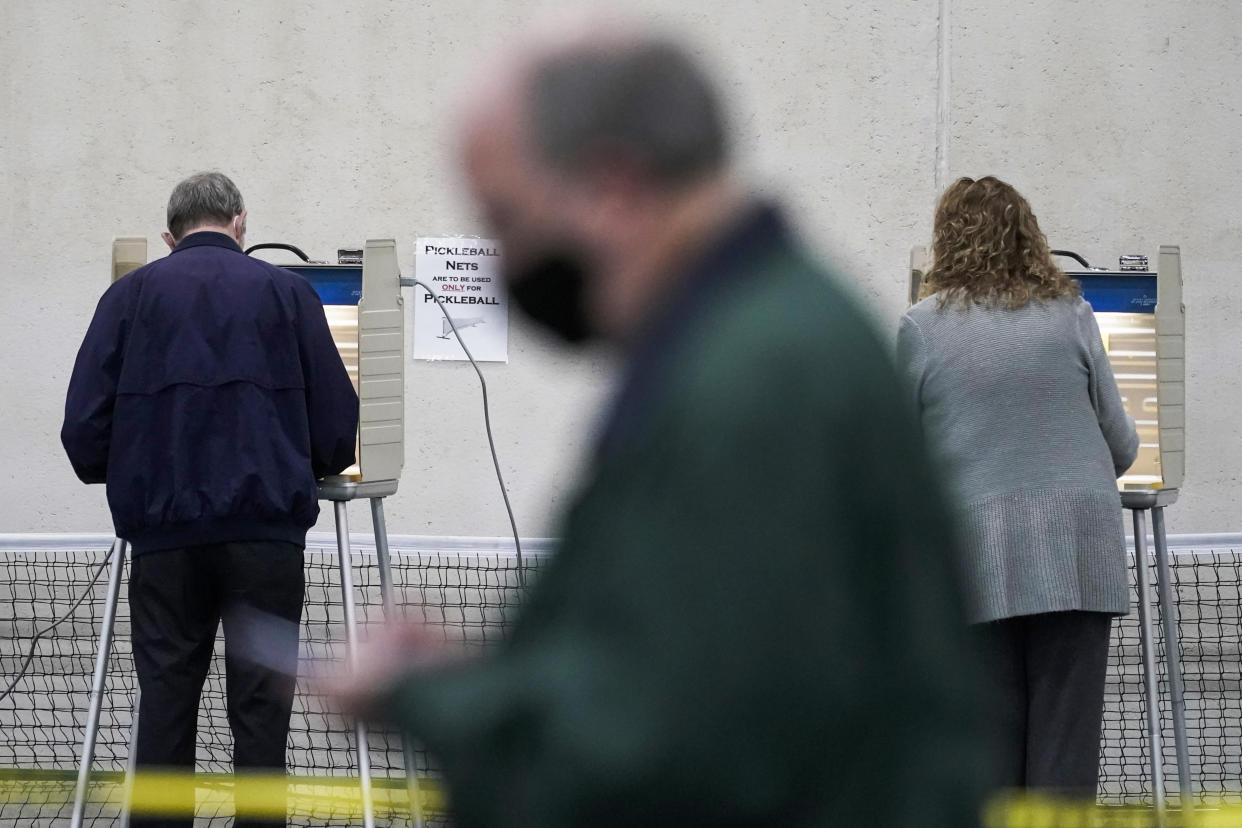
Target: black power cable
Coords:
[[1069, 254], [487, 422], [278, 246], [34, 642], [487, 419]]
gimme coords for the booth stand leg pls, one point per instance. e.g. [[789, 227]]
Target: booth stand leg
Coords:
[[1149, 665], [390, 615], [131, 766], [1173, 658], [351, 642], [97, 682]]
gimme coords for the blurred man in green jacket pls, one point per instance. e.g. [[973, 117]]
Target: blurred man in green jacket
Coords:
[[752, 619]]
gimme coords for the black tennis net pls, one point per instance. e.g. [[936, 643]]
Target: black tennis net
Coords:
[[474, 596]]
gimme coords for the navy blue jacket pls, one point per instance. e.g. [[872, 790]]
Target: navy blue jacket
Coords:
[[209, 396]]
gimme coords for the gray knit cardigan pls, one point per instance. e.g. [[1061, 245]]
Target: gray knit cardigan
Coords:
[[1022, 410]]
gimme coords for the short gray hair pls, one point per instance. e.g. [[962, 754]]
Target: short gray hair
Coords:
[[648, 98], [203, 197]]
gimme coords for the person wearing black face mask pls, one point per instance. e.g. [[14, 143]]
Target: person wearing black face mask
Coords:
[[752, 618]]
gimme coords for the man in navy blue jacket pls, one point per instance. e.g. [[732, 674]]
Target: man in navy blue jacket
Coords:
[[209, 396]]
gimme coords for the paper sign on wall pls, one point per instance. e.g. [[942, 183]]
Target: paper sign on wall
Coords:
[[465, 274]]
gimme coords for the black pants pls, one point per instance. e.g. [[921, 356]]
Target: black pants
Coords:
[[1050, 670], [177, 600]]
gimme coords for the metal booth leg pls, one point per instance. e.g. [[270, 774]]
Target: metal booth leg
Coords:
[[390, 615], [97, 681], [131, 765], [1173, 658], [1149, 663], [351, 642]]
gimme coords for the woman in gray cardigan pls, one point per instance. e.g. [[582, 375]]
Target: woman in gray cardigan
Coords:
[[1017, 397]]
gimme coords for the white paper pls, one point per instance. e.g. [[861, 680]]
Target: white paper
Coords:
[[465, 273]]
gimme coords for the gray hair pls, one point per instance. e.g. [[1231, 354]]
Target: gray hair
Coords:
[[203, 197], [648, 99]]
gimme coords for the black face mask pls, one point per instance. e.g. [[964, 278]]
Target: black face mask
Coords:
[[551, 290]]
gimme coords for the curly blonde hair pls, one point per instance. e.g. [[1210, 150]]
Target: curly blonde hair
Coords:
[[988, 249]]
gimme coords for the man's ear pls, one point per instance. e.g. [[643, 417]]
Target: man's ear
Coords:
[[239, 227], [168, 240]]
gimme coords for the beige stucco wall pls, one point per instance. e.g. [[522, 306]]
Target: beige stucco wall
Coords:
[[1116, 118]]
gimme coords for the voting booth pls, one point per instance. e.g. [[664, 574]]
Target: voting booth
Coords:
[[1142, 322], [361, 295], [362, 300]]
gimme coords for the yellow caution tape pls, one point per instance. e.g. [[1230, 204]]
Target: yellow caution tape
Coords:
[[250, 794], [1032, 811], [341, 798]]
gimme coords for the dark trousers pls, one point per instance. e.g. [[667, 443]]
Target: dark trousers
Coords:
[[177, 600], [1050, 670]]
